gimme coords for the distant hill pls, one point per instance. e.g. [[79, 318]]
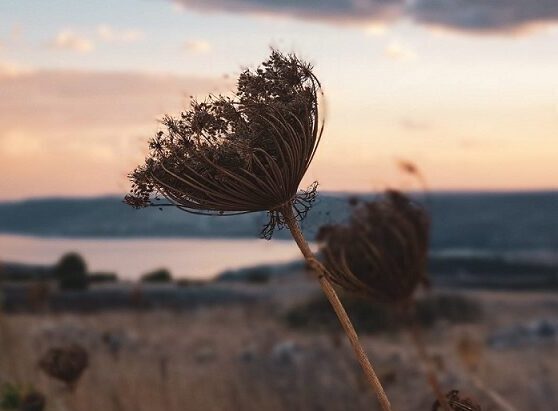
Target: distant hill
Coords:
[[493, 222]]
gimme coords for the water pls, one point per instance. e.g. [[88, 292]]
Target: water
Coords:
[[130, 258]]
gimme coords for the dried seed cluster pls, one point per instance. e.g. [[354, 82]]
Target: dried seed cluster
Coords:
[[239, 154], [66, 364], [381, 253]]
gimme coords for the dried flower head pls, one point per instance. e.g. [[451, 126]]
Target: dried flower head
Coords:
[[381, 253], [65, 363], [457, 403], [239, 154]]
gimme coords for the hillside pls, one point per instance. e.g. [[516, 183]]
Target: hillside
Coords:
[[492, 222]]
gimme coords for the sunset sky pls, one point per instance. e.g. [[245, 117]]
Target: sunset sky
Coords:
[[467, 90]]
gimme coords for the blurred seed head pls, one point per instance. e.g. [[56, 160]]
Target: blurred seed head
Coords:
[[381, 253], [408, 167], [457, 403], [65, 364], [239, 154]]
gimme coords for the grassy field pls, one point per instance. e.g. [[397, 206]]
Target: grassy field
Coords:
[[245, 357]]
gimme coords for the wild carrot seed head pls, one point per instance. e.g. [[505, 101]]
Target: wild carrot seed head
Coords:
[[382, 252], [239, 154]]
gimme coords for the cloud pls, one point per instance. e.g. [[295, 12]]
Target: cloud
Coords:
[[485, 16], [69, 40], [112, 35], [197, 46], [335, 11], [413, 125], [473, 16], [77, 132], [59, 99], [9, 69], [400, 52], [375, 29], [16, 143]]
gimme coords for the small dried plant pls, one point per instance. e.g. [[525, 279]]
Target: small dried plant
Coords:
[[65, 364], [457, 403], [247, 153], [382, 252], [382, 255]]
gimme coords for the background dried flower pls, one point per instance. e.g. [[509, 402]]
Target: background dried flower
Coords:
[[239, 154], [66, 364], [381, 253]]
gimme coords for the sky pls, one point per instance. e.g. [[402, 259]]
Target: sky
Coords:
[[466, 90]]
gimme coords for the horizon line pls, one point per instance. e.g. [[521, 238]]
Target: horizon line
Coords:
[[325, 192]]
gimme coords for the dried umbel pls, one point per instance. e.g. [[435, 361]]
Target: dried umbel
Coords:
[[381, 253], [66, 364], [457, 403], [239, 154]]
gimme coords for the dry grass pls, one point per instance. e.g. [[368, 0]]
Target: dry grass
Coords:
[[245, 359]]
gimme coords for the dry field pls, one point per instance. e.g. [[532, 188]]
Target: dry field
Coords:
[[245, 358]]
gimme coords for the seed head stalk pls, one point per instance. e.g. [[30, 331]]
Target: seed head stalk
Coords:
[[416, 335], [331, 295]]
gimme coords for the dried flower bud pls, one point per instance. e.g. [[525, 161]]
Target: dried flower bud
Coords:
[[382, 252], [65, 363], [457, 403], [240, 154], [408, 167]]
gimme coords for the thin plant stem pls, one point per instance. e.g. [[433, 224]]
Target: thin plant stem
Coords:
[[332, 297], [493, 395], [415, 332]]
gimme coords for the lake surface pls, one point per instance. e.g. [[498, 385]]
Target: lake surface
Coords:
[[130, 258]]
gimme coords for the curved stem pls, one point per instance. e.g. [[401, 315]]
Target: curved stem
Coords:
[[332, 297], [416, 337], [493, 395]]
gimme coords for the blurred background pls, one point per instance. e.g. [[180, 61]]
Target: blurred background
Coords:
[[197, 313]]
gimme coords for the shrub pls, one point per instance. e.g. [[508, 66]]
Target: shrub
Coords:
[[315, 314], [189, 282], [453, 308], [101, 277], [161, 275], [71, 272], [257, 277]]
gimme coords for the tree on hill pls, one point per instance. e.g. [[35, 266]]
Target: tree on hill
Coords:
[[71, 272], [161, 275]]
